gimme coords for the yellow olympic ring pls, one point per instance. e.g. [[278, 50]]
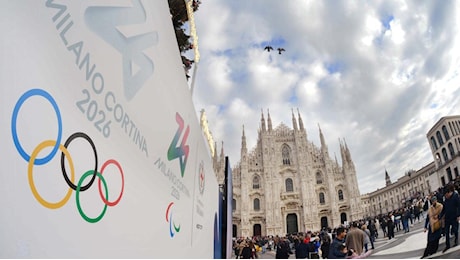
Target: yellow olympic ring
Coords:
[[34, 154]]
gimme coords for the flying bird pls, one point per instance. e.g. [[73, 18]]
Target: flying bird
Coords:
[[268, 48], [280, 50]]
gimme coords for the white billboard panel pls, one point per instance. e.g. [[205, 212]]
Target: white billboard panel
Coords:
[[102, 153]]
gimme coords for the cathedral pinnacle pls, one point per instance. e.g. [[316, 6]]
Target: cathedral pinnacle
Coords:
[[294, 121], [323, 143], [300, 121], [244, 149], [263, 121], [269, 121]]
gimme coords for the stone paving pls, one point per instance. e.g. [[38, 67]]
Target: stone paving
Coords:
[[409, 245]]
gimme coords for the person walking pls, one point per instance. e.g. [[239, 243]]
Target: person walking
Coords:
[[451, 214], [338, 249], [301, 248], [433, 226], [282, 249], [405, 218], [355, 239], [325, 245], [390, 227], [367, 238]]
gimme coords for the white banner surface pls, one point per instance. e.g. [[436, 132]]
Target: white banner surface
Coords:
[[101, 150]]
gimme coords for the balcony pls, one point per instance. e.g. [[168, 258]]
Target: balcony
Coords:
[[290, 195]]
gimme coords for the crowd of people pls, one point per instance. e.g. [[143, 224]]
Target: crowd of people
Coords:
[[353, 241], [440, 211]]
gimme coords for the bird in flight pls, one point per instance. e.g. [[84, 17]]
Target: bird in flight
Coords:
[[268, 48], [280, 50]]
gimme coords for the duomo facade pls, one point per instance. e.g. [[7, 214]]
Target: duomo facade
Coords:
[[287, 184]]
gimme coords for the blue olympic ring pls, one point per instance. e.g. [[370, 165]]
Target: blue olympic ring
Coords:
[[22, 99]]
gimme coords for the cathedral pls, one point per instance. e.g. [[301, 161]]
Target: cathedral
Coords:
[[287, 184]]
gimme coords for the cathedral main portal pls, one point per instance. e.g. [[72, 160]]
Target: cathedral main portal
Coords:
[[291, 223]]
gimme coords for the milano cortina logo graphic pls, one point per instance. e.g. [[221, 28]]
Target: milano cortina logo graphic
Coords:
[[116, 25], [181, 151]]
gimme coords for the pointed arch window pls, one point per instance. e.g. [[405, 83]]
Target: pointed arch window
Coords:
[[256, 182], [289, 185], [340, 194], [256, 204], [322, 200], [319, 178], [286, 154], [233, 204]]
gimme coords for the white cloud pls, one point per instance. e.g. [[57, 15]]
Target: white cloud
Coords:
[[378, 74]]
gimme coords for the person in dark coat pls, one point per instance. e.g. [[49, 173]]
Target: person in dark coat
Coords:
[[391, 228], [245, 250], [301, 249], [282, 249], [451, 214], [325, 246], [338, 249]]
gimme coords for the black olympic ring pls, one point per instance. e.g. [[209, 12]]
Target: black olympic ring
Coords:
[[67, 142]]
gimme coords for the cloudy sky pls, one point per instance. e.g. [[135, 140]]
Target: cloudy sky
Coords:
[[377, 73]]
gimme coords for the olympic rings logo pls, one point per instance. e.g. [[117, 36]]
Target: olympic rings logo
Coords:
[[56, 144]]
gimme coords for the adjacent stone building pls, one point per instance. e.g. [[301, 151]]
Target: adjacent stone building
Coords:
[[444, 140], [287, 184]]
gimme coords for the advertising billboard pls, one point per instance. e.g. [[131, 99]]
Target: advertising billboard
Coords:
[[102, 152]]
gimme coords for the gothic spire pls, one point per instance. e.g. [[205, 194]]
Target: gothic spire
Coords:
[[294, 121], [263, 121], [222, 151], [300, 121], [215, 153], [347, 153], [269, 121], [323, 143], [244, 149]]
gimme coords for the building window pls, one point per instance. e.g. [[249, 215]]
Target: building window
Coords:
[[285, 153], [433, 142], [256, 182], [438, 135], [319, 178], [289, 185], [446, 133], [233, 204], [256, 204], [321, 198], [444, 154], [340, 193], [451, 150], [449, 174]]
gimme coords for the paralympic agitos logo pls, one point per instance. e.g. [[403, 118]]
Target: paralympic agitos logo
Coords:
[[65, 155], [173, 228]]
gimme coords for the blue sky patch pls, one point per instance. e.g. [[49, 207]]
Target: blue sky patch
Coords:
[[334, 67], [386, 21]]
